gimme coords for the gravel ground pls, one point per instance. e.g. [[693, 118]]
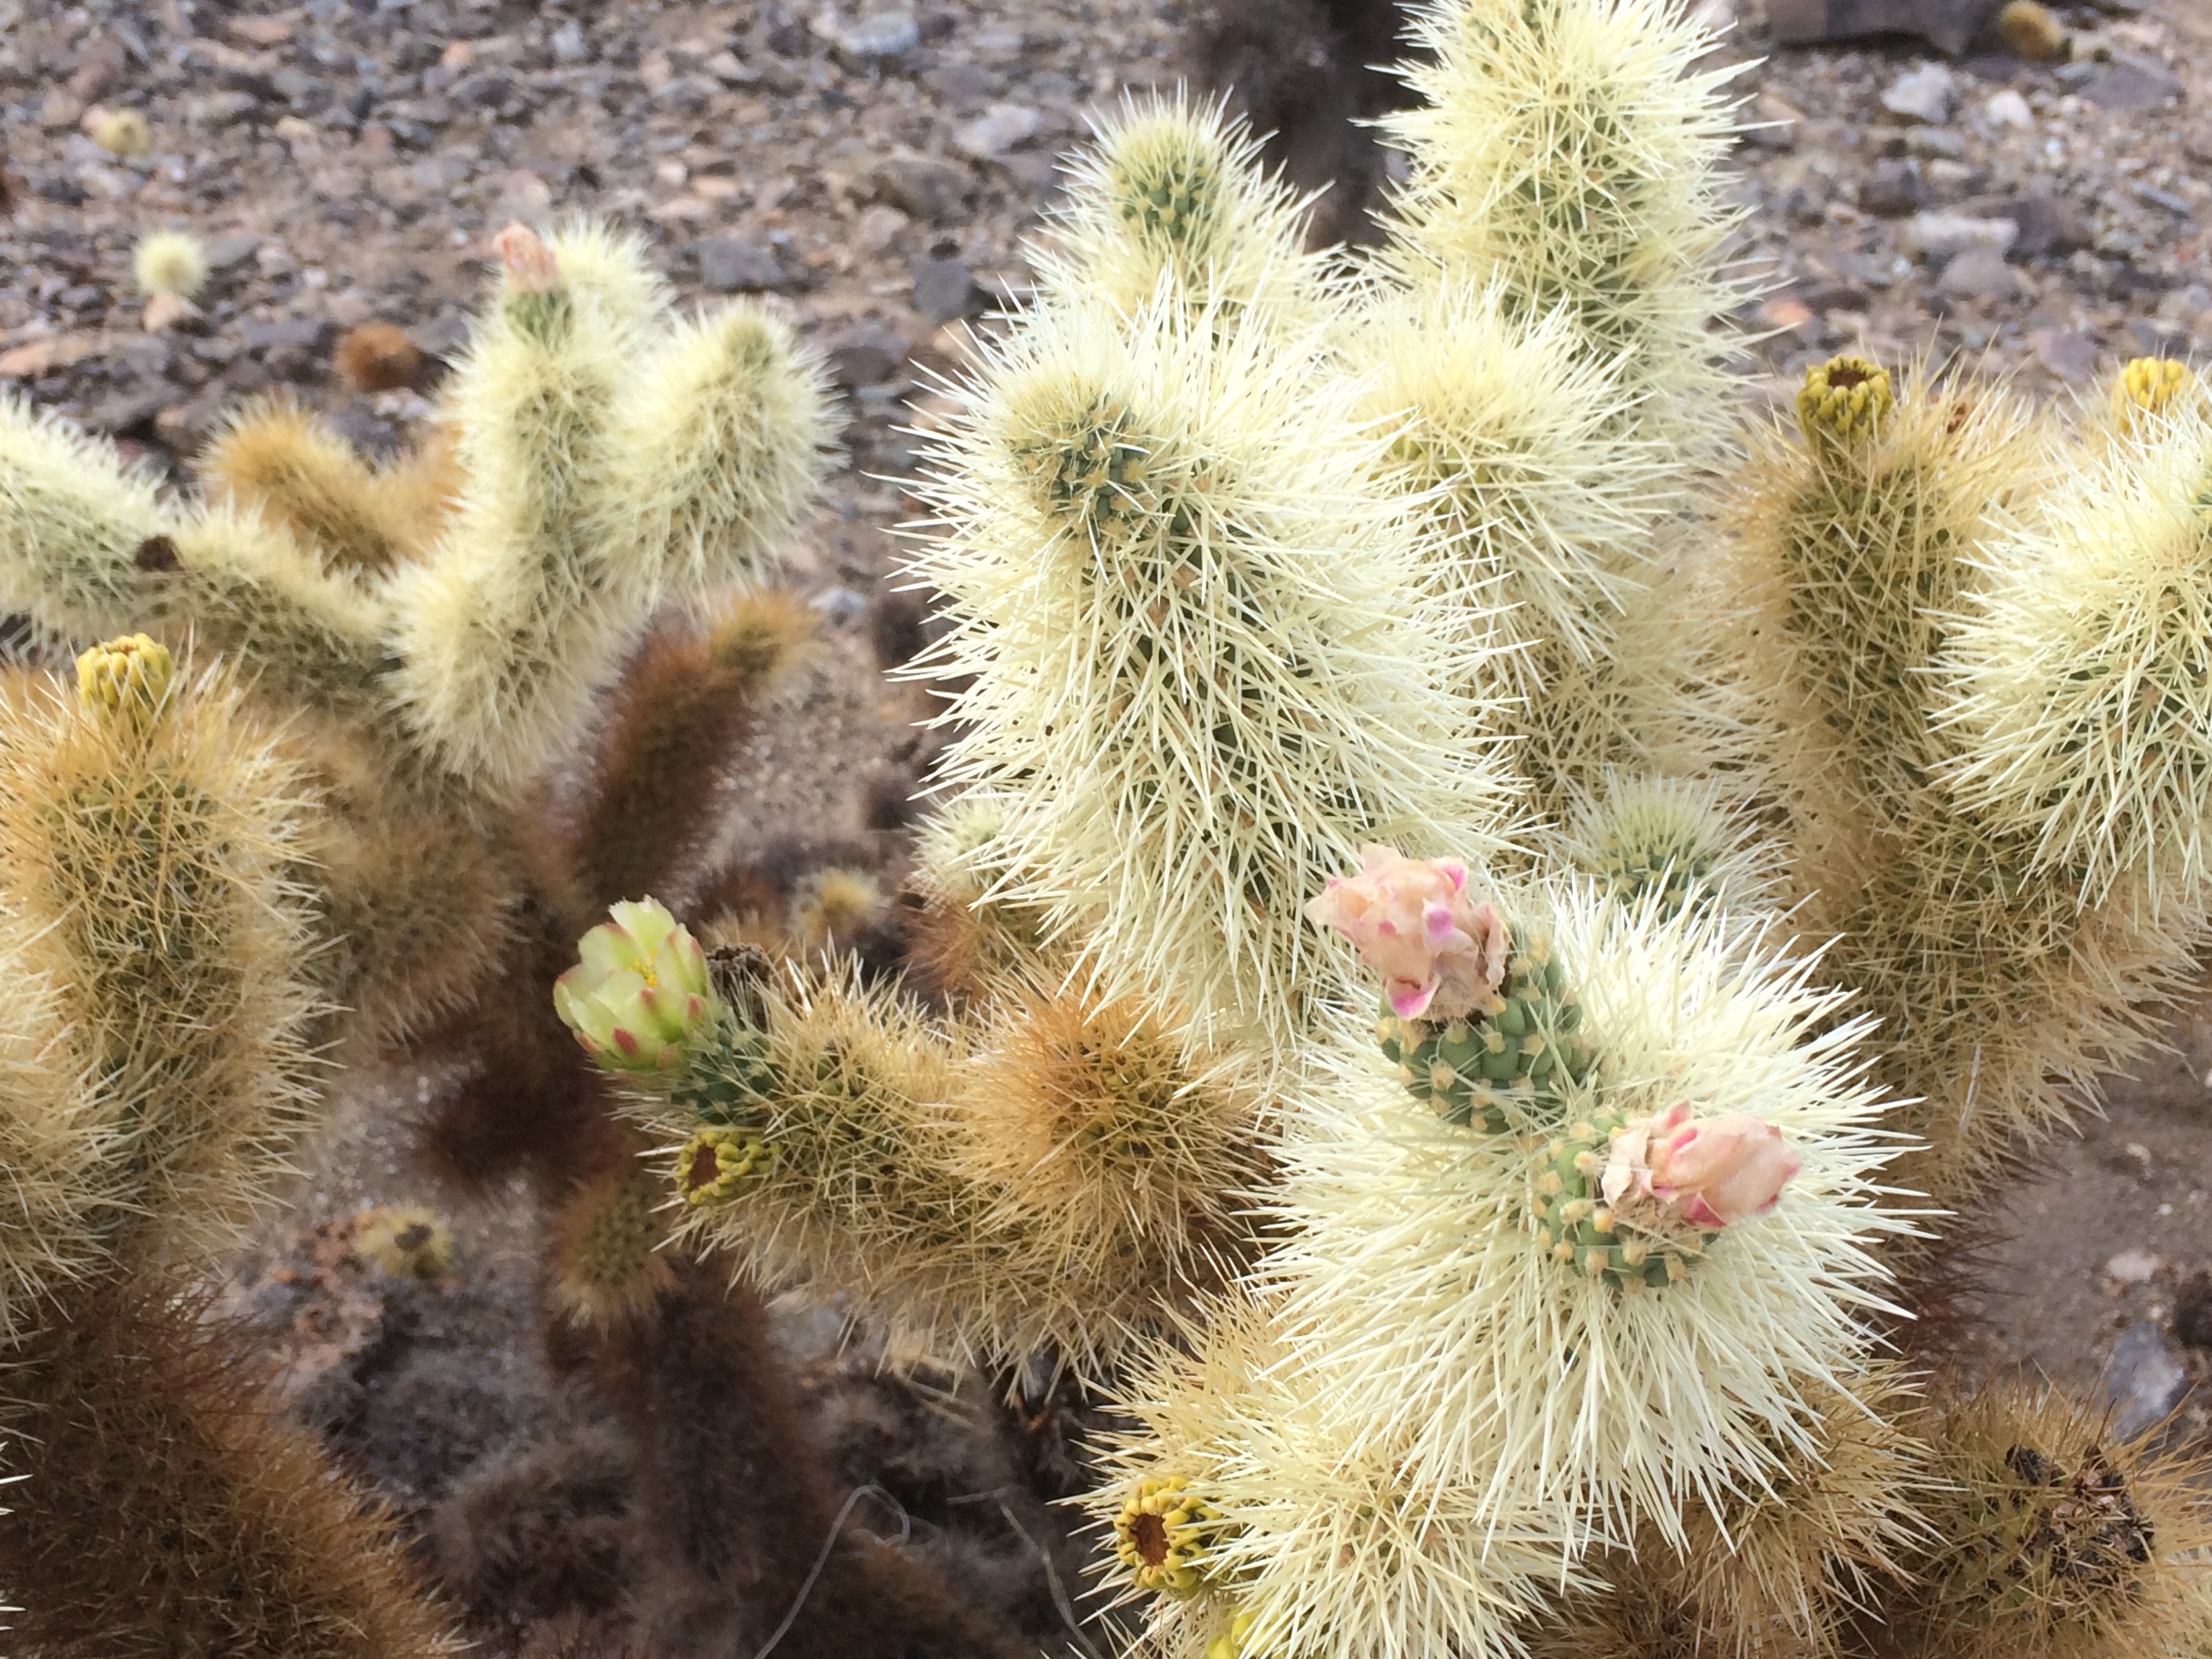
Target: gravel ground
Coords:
[[346, 161]]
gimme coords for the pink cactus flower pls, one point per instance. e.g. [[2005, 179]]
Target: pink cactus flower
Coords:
[[1440, 954], [531, 266], [1706, 1172]]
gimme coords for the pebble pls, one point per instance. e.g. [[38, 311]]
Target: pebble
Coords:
[[2131, 83], [2143, 1382], [867, 356], [1894, 188], [943, 290], [1979, 273], [998, 129], [2007, 109], [1938, 235], [885, 35], [1773, 123], [2071, 356], [1922, 94], [731, 265], [2134, 1266], [932, 191]]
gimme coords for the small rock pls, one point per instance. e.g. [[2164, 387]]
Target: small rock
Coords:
[[569, 43], [28, 361], [879, 227], [1979, 273], [1922, 94], [961, 84], [867, 357], [2045, 222], [2131, 83], [1773, 124], [932, 191], [2008, 109], [2071, 357], [840, 604], [60, 111], [224, 109], [998, 129], [2193, 1310], [133, 409], [2128, 1267], [166, 311], [881, 36], [943, 290], [2143, 1381], [731, 69], [733, 264], [258, 31], [1932, 143], [1945, 235], [1894, 189]]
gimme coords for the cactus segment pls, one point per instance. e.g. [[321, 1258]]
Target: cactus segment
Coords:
[[1581, 1233], [1503, 1067]]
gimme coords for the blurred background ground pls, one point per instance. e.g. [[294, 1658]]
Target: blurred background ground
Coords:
[[875, 172]]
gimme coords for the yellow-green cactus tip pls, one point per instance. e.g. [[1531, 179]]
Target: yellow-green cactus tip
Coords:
[[1161, 1535], [121, 132], [1844, 400], [406, 1241], [2149, 385], [1230, 1643], [715, 1162], [125, 681], [637, 991]]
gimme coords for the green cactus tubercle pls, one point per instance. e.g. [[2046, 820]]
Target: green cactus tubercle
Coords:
[[1578, 1229], [1503, 1067]]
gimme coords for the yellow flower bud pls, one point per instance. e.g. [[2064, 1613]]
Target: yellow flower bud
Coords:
[[125, 681], [1844, 401], [715, 1162]]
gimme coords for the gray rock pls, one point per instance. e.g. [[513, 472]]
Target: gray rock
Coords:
[[961, 84], [224, 109], [840, 604], [1935, 143], [1922, 94], [867, 356], [231, 250], [2067, 354], [1979, 273], [2043, 222], [1894, 189], [133, 409], [569, 43], [305, 93], [1948, 25], [928, 189], [881, 36], [943, 289], [276, 333], [2143, 1381], [2131, 83], [998, 129], [1939, 236], [733, 264]]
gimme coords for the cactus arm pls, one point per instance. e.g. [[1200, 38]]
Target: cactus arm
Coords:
[[72, 520], [284, 463]]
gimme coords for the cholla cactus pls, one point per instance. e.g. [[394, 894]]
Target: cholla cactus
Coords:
[[2010, 900], [2084, 703], [1172, 194], [1191, 623], [1428, 1264]]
